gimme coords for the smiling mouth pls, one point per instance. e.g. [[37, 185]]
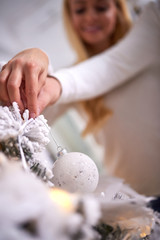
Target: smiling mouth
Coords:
[[91, 29]]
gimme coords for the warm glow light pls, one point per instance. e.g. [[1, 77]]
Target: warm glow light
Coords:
[[146, 231], [62, 198], [142, 235]]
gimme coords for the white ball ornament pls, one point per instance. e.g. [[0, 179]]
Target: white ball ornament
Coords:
[[75, 172]]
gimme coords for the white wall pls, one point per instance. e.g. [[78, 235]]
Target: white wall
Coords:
[[34, 23]]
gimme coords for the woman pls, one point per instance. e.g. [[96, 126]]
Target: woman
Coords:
[[107, 22], [94, 26], [127, 75], [127, 78]]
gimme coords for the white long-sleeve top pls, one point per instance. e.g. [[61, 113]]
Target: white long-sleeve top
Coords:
[[129, 77]]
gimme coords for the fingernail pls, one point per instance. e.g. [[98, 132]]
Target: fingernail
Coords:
[[32, 115]]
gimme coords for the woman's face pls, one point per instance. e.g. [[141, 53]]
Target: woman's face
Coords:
[[93, 20]]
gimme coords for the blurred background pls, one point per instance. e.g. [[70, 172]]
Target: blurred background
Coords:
[[38, 23]]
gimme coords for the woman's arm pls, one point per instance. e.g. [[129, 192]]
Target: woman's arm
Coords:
[[135, 53]]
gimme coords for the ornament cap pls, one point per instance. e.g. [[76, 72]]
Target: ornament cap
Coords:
[[61, 152]]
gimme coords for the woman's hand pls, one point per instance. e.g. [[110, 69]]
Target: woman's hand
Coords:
[[22, 79], [49, 94]]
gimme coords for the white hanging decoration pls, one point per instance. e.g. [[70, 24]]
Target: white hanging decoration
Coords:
[[75, 172], [21, 138]]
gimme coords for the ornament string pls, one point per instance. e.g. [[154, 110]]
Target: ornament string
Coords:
[[59, 148]]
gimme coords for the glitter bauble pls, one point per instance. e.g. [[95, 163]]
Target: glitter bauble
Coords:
[[75, 172]]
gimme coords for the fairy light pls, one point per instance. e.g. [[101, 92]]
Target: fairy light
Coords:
[[62, 198], [146, 231]]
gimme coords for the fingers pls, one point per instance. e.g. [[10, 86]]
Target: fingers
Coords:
[[4, 74], [35, 85], [23, 95], [22, 78], [31, 72], [43, 101], [10, 81], [41, 80], [49, 93], [4, 66], [13, 87]]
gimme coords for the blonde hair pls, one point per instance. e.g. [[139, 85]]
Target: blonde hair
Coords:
[[96, 110]]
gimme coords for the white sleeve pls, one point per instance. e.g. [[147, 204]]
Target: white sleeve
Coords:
[[98, 75]]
